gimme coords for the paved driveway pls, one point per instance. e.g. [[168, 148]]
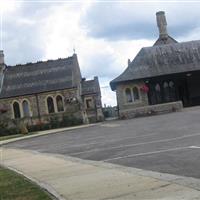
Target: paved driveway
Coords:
[[167, 143]]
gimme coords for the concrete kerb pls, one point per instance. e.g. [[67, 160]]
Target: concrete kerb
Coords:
[[41, 133]]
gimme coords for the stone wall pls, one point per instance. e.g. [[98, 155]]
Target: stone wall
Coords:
[[151, 110], [95, 113], [121, 98], [71, 108]]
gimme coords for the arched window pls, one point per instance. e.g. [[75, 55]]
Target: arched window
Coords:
[[157, 87], [158, 93], [135, 93], [166, 92], [59, 102], [16, 110], [26, 109], [128, 95], [171, 84], [50, 105], [165, 85]]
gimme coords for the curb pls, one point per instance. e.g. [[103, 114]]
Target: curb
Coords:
[[41, 133]]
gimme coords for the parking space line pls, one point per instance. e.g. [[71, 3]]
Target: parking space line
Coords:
[[137, 144], [109, 141], [145, 154], [194, 147]]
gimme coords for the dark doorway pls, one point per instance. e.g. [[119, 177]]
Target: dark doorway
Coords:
[[183, 93], [177, 87]]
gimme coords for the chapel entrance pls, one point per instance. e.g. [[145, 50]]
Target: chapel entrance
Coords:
[[183, 94], [162, 92], [178, 87]]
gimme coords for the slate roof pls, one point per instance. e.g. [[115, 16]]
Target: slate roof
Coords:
[[32, 78], [90, 86], [162, 60]]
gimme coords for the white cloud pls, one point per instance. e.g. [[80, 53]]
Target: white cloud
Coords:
[[61, 32], [9, 6], [108, 97], [48, 31]]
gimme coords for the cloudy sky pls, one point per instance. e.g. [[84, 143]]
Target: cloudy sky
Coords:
[[104, 33]]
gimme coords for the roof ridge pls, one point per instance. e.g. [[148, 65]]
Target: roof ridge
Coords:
[[39, 62], [172, 44], [162, 60]]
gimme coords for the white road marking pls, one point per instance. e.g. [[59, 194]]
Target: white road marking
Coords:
[[110, 125], [194, 147], [109, 141], [137, 144], [144, 154]]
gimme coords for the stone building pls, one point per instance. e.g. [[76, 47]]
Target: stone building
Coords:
[[166, 72], [35, 92]]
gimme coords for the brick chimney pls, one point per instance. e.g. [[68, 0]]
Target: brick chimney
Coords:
[[162, 24]]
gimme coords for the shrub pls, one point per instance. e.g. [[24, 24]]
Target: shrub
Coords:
[[55, 122], [6, 130], [38, 127], [70, 120]]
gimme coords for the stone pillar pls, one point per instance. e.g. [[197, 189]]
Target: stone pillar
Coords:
[[162, 24]]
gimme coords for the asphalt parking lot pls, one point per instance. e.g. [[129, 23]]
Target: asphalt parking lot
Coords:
[[168, 143]]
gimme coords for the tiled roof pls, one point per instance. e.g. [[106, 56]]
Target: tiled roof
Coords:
[[162, 60], [90, 86], [39, 77]]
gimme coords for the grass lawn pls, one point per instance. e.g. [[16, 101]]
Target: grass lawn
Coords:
[[16, 187]]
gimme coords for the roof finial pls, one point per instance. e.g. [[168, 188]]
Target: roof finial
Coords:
[[129, 62], [74, 50]]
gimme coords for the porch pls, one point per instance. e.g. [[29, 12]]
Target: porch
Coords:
[[175, 87]]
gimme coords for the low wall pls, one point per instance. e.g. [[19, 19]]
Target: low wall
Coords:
[[151, 110]]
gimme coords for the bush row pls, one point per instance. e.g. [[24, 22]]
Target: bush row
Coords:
[[55, 122]]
